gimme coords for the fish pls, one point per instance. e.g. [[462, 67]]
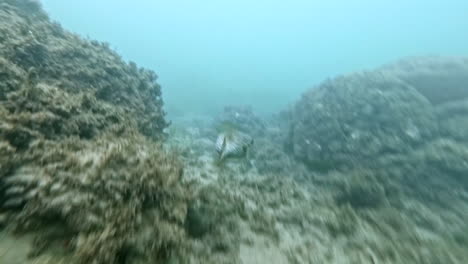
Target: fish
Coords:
[[232, 144]]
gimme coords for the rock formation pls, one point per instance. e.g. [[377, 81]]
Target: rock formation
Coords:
[[81, 161]]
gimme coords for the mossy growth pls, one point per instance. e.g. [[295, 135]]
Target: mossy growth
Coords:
[[361, 190], [111, 200], [30, 42], [213, 225], [323, 165], [342, 223]]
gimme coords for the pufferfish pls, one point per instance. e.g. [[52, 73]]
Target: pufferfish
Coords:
[[232, 144]]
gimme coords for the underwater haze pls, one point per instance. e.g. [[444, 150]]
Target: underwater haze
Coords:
[[209, 54], [297, 132]]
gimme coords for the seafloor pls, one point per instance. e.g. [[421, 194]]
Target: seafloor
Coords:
[[370, 167]]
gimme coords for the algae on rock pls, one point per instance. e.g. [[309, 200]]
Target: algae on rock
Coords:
[[81, 161], [440, 79], [352, 119], [105, 196], [32, 43]]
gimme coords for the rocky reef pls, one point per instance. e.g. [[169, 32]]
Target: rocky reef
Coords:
[[368, 167], [365, 168], [105, 200], [34, 51], [82, 167], [440, 79], [389, 147], [350, 120]]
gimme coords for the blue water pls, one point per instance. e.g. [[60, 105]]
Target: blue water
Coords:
[[264, 53]]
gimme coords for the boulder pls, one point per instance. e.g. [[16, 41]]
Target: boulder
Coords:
[[439, 79], [350, 120]]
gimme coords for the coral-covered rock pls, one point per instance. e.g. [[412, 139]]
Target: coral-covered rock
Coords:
[[352, 119], [437, 169], [453, 120], [270, 158], [98, 197], [34, 50], [80, 157], [439, 79]]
